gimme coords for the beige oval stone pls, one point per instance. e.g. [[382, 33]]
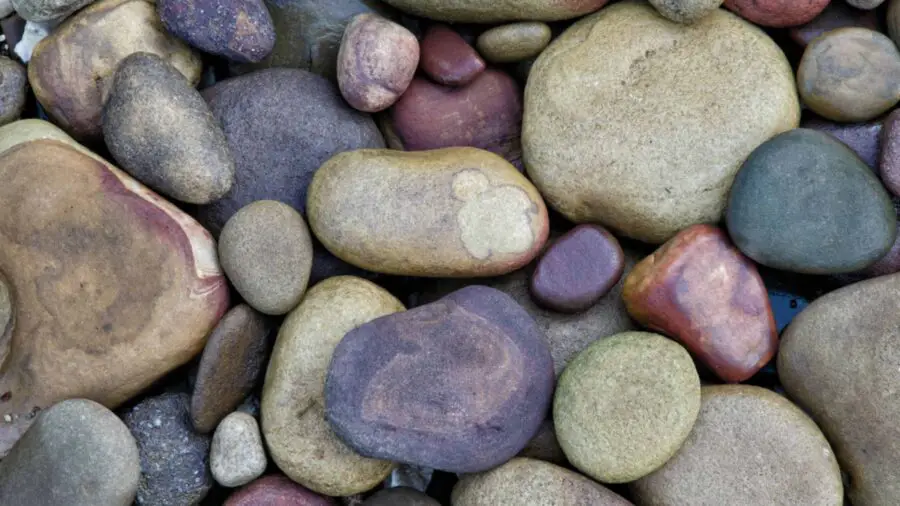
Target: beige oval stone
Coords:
[[514, 42], [451, 212], [494, 11], [299, 439], [640, 123]]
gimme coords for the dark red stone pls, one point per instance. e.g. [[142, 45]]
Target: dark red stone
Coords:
[[447, 58], [777, 13], [577, 270], [460, 385], [276, 490], [837, 15], [863, 138]]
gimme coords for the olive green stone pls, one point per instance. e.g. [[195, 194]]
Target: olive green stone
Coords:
[[514, 42]]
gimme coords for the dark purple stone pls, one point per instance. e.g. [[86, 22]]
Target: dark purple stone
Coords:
[[889, 164], [447, 58], [863, 138], [837, 15], [577, 270], [460, 385], [276, 490]]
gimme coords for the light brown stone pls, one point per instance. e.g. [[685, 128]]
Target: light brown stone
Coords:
[[514, 42]]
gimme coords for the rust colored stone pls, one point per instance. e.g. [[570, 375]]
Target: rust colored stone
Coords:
[[276, 490], [448, 59], [777, 13], [699, 289]]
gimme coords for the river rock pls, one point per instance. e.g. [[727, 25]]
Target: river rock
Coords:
[[648, 391], [527, 482], [514, 42], [577, 270], [863, 138], [447, 58], [299, 439], [450, 212], [482, 11], [376, 62], [489, 382], [832, 214], [113, 286], [276, 490], [699, 289], [231, 366], [889, 164], [850, 74], [77, 453], [865, 4], [607, 101], [6, 9], [685, 11], [174, 458], [839, 360], [777, 13], [836, 15], [750, 446], [486, 114], [13, 89], [400, 496], [47, 10], [239, 30], [159, 130], [266, 252], [236, 455], [72, 70]]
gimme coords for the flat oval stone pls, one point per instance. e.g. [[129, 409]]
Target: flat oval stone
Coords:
[[750, 446], [159, 130], [685, 11], [447, 58], [77, 453], [71, 71], [840, 361], [459, 385], [863, 138], [529, 482], [699, 289], [647, 391], [514, 42], [836, 15], [607, 101], [489, 11], [451, 212], [578, 269], [266, 252], [276, 490], [486, 114], [13, 88], [889, 164], [400, 496], [804, 202], [239, 30], [850, 74], [777, 13], [236, 455], [231, 366], [293, 421], [376, 62]]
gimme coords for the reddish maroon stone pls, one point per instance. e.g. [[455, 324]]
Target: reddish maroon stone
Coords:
[[486, 114], [577, 270], [837, 15], [777, 13], [889, 165], [699, 289], [276, 490], [447, 58], [863, 138]]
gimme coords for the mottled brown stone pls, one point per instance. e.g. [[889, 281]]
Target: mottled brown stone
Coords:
[[448, 59]]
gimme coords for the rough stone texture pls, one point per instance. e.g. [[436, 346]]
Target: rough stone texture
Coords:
[[276, 490], [6, 8], [514, 42], [400, 496], [850, 74], [750, 446], [491, 11], [777, 13], [77, 453], [299, 439], [804, 202], [376, 62], [447, 58], [699, 289], [453, 212], [72, 70], [237, 456], [685, 11], [626, 95], [545, 446], [159, 130], [47, 10], [489, 383], [239, 30], [174, 459], [648, 391], [13, 87], [863, 138], [840, 361], [267, 253], [231, 366], [486, 114], [836, 15], [889, 163], [118, 288], [577, 270], [527, 482]]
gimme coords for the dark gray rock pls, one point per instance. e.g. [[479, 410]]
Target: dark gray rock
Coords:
[[239, 30], [13, 84], [400, 496]]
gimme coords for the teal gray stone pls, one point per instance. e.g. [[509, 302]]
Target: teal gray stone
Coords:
[[804, 202]]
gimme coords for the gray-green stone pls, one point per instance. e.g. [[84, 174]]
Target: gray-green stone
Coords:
[[805, 202]]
